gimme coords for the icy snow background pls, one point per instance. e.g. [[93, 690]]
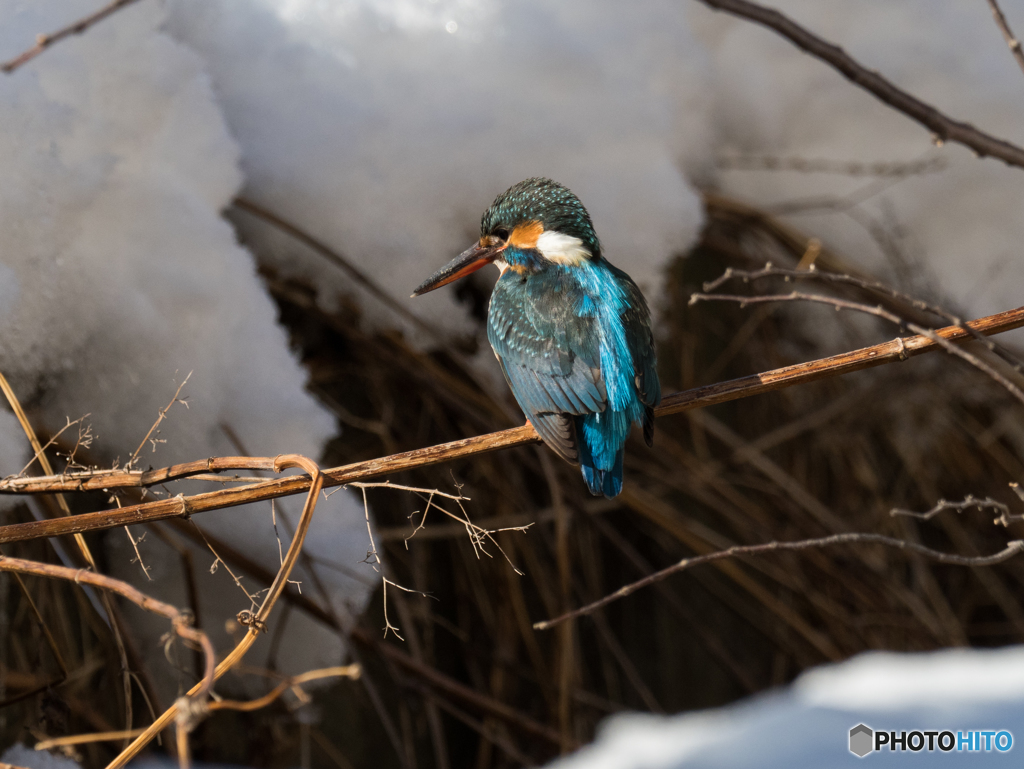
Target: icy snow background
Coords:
[[119, 276], [384, 128], [806, 725], [771, 99], [387, 127]]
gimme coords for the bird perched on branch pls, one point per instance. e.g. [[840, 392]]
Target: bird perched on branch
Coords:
[[571, 331]]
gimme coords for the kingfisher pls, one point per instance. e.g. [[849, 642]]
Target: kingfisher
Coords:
[[571, 332]]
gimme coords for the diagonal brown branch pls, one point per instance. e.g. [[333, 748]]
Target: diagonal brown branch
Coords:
[[1004, 27], [870, 285], [698, 397], [878, 311], [104, 480], [45, 41], [943, 127]]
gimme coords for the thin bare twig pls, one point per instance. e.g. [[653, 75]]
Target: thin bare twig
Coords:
[[1011, 549], [45, 41], [698, 397], [1004, 27], [218, 560], [943, 128], [160, 418], [83, 548], [1006, 518], [878, 311], [181, 621], [478, 536], [897, 169], [826, 276], [45, 446], [138, 555], [86, 739], [378, 563], [346, 671], [969, 502], [180, 712]]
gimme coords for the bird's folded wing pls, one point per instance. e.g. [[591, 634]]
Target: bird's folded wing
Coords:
[[559, 433], [637, 322], [551, 362]]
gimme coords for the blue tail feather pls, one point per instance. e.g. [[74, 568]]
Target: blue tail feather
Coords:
[[594, 479], [601, 451], [606, 483]]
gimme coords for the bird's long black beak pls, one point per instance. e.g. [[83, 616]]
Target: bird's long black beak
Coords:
[[469, 261]]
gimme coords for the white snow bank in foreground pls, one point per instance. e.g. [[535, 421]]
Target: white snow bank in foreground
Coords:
[[807, 724]]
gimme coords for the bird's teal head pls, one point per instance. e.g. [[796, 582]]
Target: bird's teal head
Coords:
[[529, 227]]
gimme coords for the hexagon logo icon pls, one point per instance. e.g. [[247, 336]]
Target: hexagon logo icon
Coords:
[[861, 739]]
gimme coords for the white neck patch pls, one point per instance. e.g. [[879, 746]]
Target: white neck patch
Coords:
[[562, 249]]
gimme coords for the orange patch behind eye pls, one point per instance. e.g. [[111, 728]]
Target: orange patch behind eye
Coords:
[[526, 235]]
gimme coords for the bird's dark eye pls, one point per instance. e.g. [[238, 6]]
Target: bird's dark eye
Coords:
[[501, 232]]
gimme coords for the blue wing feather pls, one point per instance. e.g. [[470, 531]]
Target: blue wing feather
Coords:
[[576, 347]]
